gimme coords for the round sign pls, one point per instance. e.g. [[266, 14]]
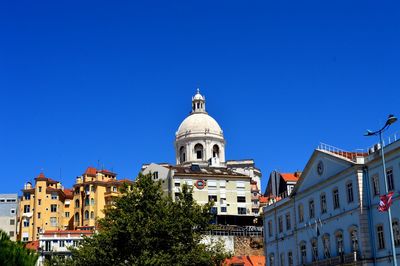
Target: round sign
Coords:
[[200, 184]]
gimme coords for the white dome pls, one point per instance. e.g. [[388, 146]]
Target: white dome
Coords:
[[199, 123]]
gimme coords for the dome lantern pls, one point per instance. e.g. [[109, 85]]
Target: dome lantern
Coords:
[[198, 103]]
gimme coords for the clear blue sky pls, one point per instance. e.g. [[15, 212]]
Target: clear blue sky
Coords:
[[83, 81]]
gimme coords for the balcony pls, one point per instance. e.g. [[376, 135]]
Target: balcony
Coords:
[[111, 194], [347, 259]]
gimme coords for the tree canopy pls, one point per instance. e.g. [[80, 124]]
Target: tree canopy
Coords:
[[146, 227], [14, 253]]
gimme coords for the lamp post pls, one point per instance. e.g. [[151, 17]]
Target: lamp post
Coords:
[[391, 119]]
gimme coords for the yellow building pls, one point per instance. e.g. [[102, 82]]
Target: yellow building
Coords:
[[48, 206], [94, 191], [45, 206]]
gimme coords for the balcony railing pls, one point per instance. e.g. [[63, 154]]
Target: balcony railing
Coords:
[[231, 230]]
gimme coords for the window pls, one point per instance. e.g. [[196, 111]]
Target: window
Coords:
[[53, 221], [76, 218], [241, 210], [323, 203], [336, 202], [311, 208], [198, 149], [214, 210], [301, 213], [375, 185], [269, 228], [92, 201], [87, 202], [381, 237], [314, 249], [177, 183], [240, 184], [282, 259], [288, 222], [114, 189], [339, 243], [93, 188], [66, 214], [396, 232], [182, 155], [92, 215], [390, 181], [12, 211], [86, 215], [280, 224], [354, 240], [54, 196], [155, 175], [350, 196], [290, 258], [77, 191], [25, 239], [62, 243], [40, 189], [215, 151], [39, 202], [39, 215], [27, 208], [326, 246], [27, 196], [241, 199], [11, 233], [76, 203], [26, 223], [303, 252], [53, 207], [12, 222], [222, 183], [271, 259], [212, 198], [223, 209]]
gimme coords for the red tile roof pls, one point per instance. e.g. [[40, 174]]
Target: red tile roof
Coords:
[[263, 199], [291, 177], [41, 175], [90, 171], [66, 232], [246, 261], [33, 245], [69, 193]]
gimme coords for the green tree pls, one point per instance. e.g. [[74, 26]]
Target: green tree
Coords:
[[145, 227], [15, 253]]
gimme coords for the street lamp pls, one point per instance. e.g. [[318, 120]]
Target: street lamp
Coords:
[[391, 119]]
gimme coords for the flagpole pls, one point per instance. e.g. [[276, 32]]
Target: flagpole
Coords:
[[389, 211], [391, 119]]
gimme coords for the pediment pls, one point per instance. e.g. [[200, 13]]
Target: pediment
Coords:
[[320, 167]]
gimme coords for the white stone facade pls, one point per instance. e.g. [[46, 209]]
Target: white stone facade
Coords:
[[331, 217]]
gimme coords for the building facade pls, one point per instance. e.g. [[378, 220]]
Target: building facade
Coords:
[[8, 214], [48, 206], [45, 206], [331, 216]]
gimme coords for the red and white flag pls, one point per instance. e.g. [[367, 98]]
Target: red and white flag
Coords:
[[386, 201]]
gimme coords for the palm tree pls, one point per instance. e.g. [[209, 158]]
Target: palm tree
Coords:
[[15, 253]]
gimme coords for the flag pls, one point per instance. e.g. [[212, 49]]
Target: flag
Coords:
[[385, 202]]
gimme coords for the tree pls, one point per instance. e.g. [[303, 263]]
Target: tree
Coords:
[[15, 253], [146, 227]]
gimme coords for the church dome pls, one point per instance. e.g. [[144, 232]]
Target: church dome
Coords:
[[199, 123]]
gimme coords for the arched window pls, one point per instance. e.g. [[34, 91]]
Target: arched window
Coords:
[[326, 245], [92, 215], [215, 151], [76, 218], [198, 149], [314, 249], [86, 215], [92, 201], [182, 155], [396, 232], [301, 213], [76, 203], [339, 243], [353, 239], [303, 252], [87, 202]]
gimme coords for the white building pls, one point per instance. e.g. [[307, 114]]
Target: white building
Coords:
[[8, 214], [200, 162], [331, 217], [57, 242]]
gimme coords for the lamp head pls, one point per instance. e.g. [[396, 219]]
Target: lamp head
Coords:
[[391, 119], [368, 133]]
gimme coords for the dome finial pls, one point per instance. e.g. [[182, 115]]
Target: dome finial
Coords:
[[198, 90]]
